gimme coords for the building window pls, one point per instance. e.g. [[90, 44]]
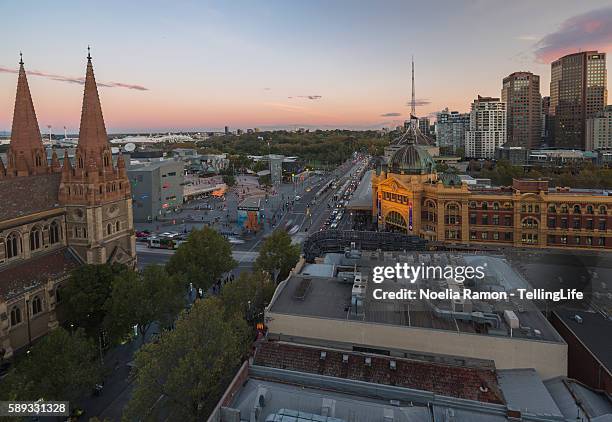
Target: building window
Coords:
[[15, 315], [564, 239], [589, 224], [507, 236], [485, 206], [507, 220], [496, 220], [576, 209], [589, 209], [36, 305], [54, 233], [552, 208], [473, 235], [495, 236], [588, 240], [496, 206], [485, 219], [552, 221], [577, 240], [13, 246], [529, 238], [35, 239], [564, 223], [484, 235], [602, 241], [564, 209], [603, 209], [576, 223], [109, 229], [58, 294], [530, 223], [472, 218], [117, 226]]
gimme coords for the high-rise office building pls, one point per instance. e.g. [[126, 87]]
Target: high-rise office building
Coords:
[[577, 92], [599, 130], [521, 93], [487, 127], [546, 122], [450, 129], [424, 125]]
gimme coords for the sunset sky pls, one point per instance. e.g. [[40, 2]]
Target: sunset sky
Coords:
[[196, 65]]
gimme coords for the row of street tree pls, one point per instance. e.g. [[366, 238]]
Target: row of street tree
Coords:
[[198, 350]]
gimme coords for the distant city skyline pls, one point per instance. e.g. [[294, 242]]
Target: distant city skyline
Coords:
[[345, 64]]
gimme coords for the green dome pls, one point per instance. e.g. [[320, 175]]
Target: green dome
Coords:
[[411, 159]]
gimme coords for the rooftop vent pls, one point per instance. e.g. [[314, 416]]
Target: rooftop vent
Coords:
[[344, 358], [392, 365], [368, 361], [577, 318], [394, 403], [323, 355], [483, 388]]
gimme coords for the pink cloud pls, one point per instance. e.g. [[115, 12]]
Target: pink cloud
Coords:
[[589, 31], [80, 81]]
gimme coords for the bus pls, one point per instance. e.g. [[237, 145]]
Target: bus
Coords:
[[164, 242]]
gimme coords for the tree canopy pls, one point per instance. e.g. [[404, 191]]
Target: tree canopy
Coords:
[[278, 255], [86, 292], [203, 259], [143, 298], [60, 366], [187, 371], [247, 296]]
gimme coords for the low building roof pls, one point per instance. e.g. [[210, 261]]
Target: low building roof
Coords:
[[590, 331]]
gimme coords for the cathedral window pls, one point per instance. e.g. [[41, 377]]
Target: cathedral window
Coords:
[[15, 315], [13, 245], [109, 229], [117, 226], [36, 305], [54, 232], [35, 242]]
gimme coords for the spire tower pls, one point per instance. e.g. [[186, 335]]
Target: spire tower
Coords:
[[413, 102], [93, 139], [26, 154]]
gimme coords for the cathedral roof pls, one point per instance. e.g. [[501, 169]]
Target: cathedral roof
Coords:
[[411, 159], [30, 273], [23, 196]]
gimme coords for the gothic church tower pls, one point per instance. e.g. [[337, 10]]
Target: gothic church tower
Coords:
[[95, 191]]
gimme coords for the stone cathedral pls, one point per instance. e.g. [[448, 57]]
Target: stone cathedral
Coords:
[[57, 215]]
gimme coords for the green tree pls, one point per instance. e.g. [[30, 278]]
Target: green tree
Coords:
[[60, 366], [278, 255], [141, 299], [86, 292], [229, 179], [187, 371], [203, 259], [247, 296]]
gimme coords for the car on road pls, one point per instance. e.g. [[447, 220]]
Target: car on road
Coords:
[[298, 197], [235, 240]]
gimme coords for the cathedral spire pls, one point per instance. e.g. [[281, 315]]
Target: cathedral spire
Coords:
[[26, 152], [93, 140]]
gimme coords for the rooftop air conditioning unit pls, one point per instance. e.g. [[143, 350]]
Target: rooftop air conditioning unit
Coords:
[[392, 365], [323, 355], [368, 361], [578, 319], [345, 358]]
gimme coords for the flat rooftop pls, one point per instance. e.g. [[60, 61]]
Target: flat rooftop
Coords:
[[362, 197], [325, 290]]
